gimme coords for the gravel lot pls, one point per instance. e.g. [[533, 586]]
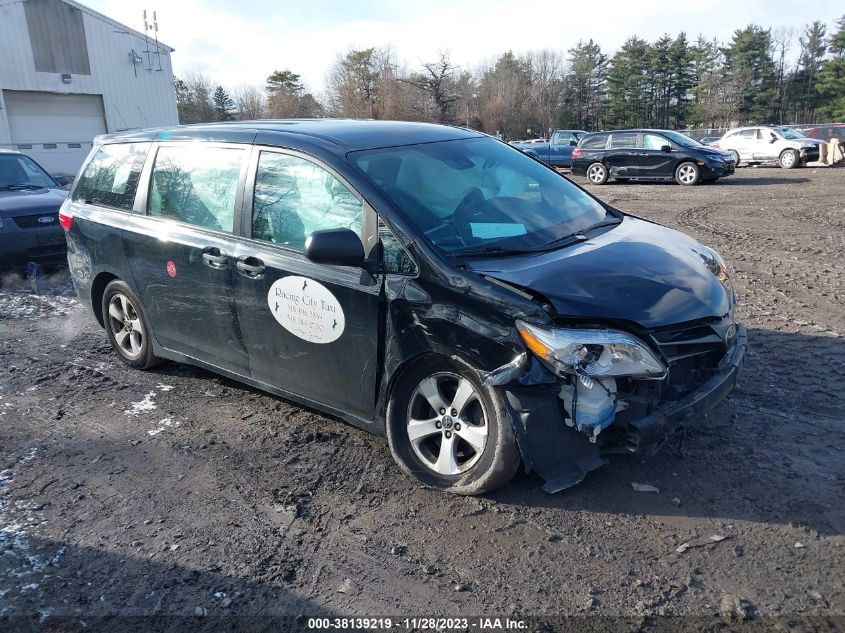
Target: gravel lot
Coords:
[[176, 492]]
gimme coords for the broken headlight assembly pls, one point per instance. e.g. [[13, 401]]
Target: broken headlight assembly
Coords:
[[591, 353]]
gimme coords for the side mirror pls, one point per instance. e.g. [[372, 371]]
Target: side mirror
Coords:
[[573, 143], [773, 139], [665, 148], [336, 247]]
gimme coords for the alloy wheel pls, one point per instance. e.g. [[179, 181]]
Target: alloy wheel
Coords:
[[447, 424], [126, 326], [596, 174], [687, 174]]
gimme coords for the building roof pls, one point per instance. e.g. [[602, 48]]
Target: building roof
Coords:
[[346, 134]]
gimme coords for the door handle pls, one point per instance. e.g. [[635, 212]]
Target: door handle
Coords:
[[251, 267], [215, 258]]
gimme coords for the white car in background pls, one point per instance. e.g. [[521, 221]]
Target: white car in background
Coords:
[[770, 144]]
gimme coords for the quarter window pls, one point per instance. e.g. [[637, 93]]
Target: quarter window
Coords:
[[110, 178], [622, 140], [594, 142], [197, 185], [295, 197]]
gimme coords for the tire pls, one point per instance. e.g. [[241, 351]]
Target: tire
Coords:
[[126, 326], [597, 173], [789, 159], [470, 453], [736, 157], [687, 174]]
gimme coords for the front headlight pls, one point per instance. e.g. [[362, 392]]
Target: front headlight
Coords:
[[717, 266], [590, 353]]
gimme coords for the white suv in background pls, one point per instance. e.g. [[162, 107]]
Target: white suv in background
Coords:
[[768, 144]]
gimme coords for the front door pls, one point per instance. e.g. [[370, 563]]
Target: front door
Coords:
[[311, 330], [652, 160], [181, 252]]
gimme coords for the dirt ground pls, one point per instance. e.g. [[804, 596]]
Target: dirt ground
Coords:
[[178, 493]]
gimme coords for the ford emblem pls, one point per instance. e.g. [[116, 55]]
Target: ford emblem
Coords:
[[46, 219]]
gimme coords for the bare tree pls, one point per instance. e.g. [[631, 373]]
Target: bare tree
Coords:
[[547, 71], [436, 82], [250, 102]]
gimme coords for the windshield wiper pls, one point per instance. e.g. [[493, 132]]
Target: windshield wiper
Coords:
[[21, 185], [493, 251]]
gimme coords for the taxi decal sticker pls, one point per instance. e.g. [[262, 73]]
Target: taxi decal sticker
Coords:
[[306, 309]]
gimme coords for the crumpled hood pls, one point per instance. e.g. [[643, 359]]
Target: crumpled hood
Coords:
[[637, 271], [14, 203]]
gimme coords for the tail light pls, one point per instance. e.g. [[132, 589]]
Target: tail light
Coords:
[[65, 220], [716, 145], [576, 152]]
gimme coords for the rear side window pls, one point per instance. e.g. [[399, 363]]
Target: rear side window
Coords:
[[623, 139], [597, 141], [295, 197], [197, 185], [110, 179], [747, 133]]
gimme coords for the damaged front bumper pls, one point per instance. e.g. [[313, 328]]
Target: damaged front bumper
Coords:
[[563, 456]]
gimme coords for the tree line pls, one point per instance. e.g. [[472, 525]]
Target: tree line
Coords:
[[759, 76]]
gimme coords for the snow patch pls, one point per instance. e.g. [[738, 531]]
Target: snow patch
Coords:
[[163, 424], [147, 404]]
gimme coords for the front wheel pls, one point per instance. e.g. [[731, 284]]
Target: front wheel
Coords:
[[789, 159], [127, 327], [687, 174], [736, 157], [597, 173], [449, 431]]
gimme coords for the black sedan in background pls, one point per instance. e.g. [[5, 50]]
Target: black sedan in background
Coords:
[[625, 155]]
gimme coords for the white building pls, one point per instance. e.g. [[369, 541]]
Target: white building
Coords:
[[68, 73]]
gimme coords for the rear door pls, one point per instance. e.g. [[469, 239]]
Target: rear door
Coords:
[[181, 249], [621, 156], [311, 330], [746, 143]]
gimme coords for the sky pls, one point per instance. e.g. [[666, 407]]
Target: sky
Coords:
[[238, 42]]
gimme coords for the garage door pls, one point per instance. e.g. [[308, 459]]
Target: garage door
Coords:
[[54, 129]]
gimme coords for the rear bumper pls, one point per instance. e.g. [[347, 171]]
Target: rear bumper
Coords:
[[669, 416]]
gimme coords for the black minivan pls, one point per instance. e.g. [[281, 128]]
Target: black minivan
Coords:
[[625, 155], [425, 282]]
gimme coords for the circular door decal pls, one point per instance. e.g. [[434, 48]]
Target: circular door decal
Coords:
[[306, 309]]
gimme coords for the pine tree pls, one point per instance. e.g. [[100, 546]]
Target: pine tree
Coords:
[[831, 78], [224, 107]]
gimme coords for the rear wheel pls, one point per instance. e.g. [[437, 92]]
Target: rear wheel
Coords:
[[789, 159], [597, 173], [449, 431], [687, 174], [126, 326]]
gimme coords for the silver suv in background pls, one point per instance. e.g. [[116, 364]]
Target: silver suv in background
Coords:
[[769, 144]]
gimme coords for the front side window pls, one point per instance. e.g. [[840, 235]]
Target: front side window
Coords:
[[623, 140], [654, 141], [565, 139], [110, 178], [295, 197], [476, 193], [197, 185]]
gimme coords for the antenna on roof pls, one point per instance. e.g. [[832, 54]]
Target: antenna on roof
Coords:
[[152, 26]]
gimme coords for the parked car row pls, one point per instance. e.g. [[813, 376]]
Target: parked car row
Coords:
[[643, 154]]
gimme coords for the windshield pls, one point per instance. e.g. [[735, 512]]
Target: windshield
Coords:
[[479, 193], [21, 172], [791, 135], [681, 139]]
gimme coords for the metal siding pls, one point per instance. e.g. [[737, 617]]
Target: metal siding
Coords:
[[130, 102]]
